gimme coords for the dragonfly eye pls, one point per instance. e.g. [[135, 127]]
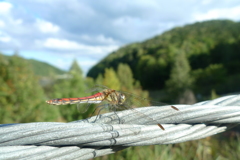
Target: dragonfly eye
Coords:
[[122, 98]]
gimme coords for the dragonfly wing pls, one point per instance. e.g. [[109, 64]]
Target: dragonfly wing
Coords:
[[82, 108], [138, 101], [143, 116], [106, 106], [133, 100], [96, 88]]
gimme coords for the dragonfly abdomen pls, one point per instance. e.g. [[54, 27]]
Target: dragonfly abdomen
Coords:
[[96, 98], [64, 101]]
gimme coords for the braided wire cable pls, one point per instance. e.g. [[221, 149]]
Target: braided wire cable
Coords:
[[89, 138]]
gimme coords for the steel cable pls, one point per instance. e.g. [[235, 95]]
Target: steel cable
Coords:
[[88, 138]]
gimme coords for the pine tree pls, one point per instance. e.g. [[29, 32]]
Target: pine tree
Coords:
[[70, 87], [76, 68], [127, 81], [110, 79], [125, 77], [99, 79], [180, 80]]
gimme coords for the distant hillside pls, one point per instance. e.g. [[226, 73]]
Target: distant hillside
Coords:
[[212, 49], [44, 69]]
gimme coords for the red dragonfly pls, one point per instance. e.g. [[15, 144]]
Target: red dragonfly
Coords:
[[115, 100]]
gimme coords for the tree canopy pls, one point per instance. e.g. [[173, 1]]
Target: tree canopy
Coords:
[[22, 98], [208, 45]]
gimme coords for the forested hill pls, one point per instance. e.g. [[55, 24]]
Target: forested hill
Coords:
[[44, 69], [41, 69], [212, 49]]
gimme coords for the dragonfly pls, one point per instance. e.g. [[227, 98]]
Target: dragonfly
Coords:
[[115, 100]]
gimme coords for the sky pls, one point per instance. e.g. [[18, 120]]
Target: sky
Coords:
[[59, 31]]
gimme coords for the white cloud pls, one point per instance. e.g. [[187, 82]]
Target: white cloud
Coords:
[[46, 27], [62, 63], [74, 47], [223, 13], [86, 64], [2, 24], [205, 2], [65, 44], [123, 20], [102, 39], [5, 7], [18, 21], [99, 39], [4, 37]]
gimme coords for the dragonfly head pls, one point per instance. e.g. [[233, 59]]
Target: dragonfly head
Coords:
[[122, 98]]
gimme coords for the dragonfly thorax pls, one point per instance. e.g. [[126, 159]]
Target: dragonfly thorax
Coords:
[[114, 97]]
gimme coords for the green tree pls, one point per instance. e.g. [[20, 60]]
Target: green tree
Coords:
[[22, 99], [205, 43], [180, 81], [110, 79], [75, 68], [89, 82], [214, 94], [99, 79], [146, 68], [72, 86], [211, 77], [125, 77], [128, 83]]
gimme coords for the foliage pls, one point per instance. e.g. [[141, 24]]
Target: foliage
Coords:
[[214, 94], [75, 68], [123, 81], [128, 83], [41, 68], [204, 43], [214, 75], [22, 98], [110, 79], [71, 87], [125, 77], [99, 79], [180, 80], [44, 69]]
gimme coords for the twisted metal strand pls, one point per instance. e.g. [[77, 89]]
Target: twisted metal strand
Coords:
[[85, 139]]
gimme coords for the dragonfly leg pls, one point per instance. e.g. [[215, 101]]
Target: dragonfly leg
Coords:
[[101, 108], [114, 108], [173, 107], [145, 117]]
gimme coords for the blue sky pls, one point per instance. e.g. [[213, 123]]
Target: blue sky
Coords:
[[59, 31]]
